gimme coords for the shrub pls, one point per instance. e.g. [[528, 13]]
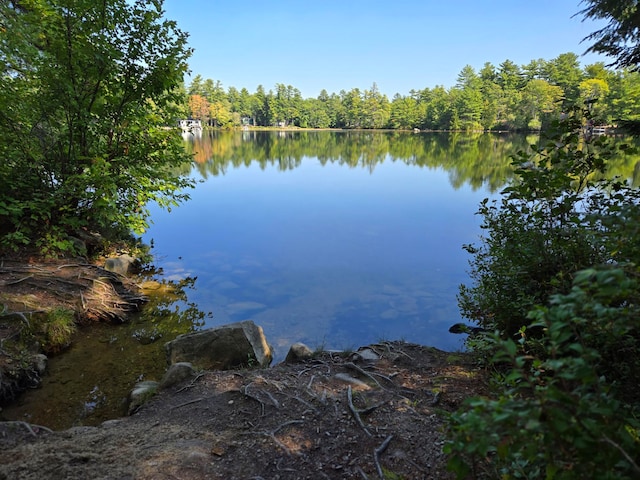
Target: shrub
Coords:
[[557, 283], [558, 218], [570, 410], [56, 329]]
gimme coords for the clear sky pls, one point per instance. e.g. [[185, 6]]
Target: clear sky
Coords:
[[398, 44]]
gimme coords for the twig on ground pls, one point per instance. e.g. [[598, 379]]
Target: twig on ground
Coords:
[[379, 451], [286, 424], [368, 410], [188, 403], [303, 402], [193, 382], [310, 382], [72, 265], [18, 281], [353, 366], [305, 370], [355, 413], [280, 469], [270, 397], [272, 435], [244, 391], [29, 426], [361, 472]]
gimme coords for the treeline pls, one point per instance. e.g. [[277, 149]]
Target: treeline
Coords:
[[469, 158], [506, 97], [480, 160]]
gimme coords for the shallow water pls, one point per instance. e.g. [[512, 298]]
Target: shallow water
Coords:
[[89, 383]]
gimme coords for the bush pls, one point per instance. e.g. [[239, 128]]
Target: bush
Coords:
[[569, 410], [87, 92], [55, 329], [557, 219], [557, 283]]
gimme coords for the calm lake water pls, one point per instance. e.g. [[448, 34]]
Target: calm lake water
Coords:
[[334, 239]]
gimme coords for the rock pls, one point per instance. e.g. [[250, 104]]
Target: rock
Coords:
[[176, 373], [79, 246], [121, 264], [298, 352], [366, 354], [142, 392], [40, 363], [222, 348], [462, 328]]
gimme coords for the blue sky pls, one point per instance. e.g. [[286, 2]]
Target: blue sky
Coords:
[[398, 44]]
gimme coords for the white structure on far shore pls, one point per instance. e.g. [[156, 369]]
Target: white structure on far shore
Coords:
[[189, 126]]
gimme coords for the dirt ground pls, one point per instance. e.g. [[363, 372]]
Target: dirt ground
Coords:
[[371, 414]]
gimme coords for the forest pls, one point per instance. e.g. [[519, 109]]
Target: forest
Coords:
[[506, 97]]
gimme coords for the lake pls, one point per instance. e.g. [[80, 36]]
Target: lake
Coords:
[[334, 239]]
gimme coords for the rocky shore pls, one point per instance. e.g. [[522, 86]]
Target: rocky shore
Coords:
[[373, 413]]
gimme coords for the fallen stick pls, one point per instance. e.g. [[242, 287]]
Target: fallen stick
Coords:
[[272, 435], [192, 384], [361, 472], [28, 426], [355, 413], [310, 382], [362, 372], [18, 281], [379, 451], [187, 403]]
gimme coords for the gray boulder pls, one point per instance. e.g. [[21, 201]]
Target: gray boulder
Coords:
[[240, 344], [142, 392], [176, 373], [298, 352], [122, 264]]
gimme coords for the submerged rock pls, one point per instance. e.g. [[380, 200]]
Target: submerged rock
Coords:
[[40, 363]]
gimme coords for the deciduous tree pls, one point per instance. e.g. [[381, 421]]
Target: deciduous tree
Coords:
[[85, 92]]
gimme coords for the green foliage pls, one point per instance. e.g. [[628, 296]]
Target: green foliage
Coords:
[[620, 38], [86, 91], [509, 97], [557, 283], [569, 401], [557, 218]]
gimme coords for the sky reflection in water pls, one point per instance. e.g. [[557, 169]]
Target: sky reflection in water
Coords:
[[329, 255]]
